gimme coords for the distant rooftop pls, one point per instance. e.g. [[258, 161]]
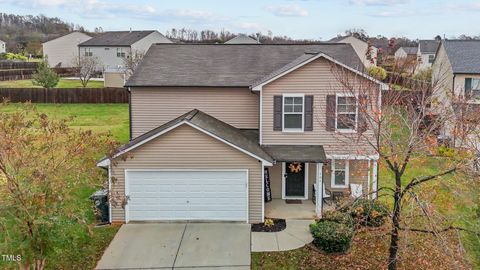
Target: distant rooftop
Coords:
[[117, 38], [242, 39], [428, 46], [409, 50]]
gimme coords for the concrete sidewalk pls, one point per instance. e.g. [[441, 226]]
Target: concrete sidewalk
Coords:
[[182, 245], [296, 235]]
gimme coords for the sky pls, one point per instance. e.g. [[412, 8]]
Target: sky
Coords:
[[303, 19]]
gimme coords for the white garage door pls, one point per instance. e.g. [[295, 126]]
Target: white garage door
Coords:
[[186, 195]]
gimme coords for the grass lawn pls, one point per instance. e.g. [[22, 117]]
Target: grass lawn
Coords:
[[96, 117], [63, 83]]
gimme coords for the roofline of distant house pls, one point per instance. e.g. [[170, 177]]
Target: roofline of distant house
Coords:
[[256, 44], [189, 85], [98, 45]]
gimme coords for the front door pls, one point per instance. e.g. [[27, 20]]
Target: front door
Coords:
[[294, 179]]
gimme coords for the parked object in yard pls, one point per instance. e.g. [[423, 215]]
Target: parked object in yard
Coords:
[[356, 190], [114, 77], [3, 47], [100, 199]]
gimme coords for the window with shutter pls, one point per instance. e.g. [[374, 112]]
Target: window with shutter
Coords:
[[346, 113], [293, 112]]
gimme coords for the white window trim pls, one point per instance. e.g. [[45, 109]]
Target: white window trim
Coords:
[[354, 130], [293, 130], [284, 196], [347, 175]]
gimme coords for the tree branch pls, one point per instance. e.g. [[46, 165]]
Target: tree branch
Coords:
[[418, 181]]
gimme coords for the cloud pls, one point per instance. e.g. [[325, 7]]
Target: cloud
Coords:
[[402, 13], [288, 11], [378, 2]]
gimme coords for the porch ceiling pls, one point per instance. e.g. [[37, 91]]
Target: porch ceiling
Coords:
[[296, 153]]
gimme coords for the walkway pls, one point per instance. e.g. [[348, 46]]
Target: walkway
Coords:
[[296, 235]]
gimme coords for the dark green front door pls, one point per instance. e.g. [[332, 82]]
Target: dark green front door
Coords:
[[294, 180]]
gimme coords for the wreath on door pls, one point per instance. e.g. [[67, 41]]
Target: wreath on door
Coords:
[[295, 167]]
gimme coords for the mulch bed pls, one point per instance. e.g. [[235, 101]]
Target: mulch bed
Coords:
[[278, 225]]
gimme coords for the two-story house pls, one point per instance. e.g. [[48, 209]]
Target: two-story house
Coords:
[[218, 129], [63, 51], [112, 47], [456, 75], [426, 53], [365, 51]]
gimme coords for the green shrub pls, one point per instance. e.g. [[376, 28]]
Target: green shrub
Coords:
[[424, 75], [45, 76], [369, 212], [445, 151], [339, 217], [13, 56], [332, 237], [377, 72]]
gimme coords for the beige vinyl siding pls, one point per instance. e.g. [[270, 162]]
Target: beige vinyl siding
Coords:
[[276, 179], [63, 51], [188, 148], [152, 107], [317, 79], [114, 79], [358, 174]]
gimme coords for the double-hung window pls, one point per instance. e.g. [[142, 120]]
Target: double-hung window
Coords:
[[475, 88], [88, 52], [431, 58], [120, 53], [346, 113], [293, 112], [340, 173]]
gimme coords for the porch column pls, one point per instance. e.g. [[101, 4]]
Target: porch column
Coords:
[[375, 179], [319, 190]]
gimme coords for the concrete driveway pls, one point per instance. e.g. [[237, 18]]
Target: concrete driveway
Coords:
[[179, 246]]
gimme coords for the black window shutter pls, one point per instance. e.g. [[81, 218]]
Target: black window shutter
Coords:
[[330, 112], [468, 87], [277, 113], [308, 125], [362, 110]]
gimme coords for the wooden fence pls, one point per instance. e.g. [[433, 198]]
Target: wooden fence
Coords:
[[65, 95], [17, 65], [402, 97], [23, 74]]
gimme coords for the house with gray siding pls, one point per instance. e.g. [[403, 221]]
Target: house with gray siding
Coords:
[[235, 132], [113, 47]]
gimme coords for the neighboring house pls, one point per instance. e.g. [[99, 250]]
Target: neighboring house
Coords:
[[426, 53], [406, 52], [211, 125], [3, 46], [242, 39], [63, 51], [111, 48], [114, 77], [361, 48], [456, 69]]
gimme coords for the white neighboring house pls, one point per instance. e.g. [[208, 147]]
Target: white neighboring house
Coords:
[[63, 51], [360, 47], [3, 46], [426, 53], [110, 48]]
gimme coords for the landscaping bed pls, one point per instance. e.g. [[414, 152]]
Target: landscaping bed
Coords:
[[278, 225]]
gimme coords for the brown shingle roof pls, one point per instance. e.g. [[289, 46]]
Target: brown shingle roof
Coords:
[[224, 65]]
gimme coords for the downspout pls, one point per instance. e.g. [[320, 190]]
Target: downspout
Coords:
[[130, 111]]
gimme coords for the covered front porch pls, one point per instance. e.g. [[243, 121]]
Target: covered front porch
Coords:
[[301, 185]]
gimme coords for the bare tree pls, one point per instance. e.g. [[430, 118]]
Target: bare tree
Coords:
[[403, 128], [85, 68], [131, 62]]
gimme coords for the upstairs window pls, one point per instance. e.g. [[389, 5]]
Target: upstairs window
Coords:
[[293, 112], [431, 57], [120, 53], [88, 52], [346, 113]]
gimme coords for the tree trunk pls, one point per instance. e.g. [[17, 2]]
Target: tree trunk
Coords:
[[393, 250]]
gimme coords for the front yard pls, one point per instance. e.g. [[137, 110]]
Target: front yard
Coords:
[[63, 83], [370, 246]]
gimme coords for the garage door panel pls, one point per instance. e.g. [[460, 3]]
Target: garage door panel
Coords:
[[183, 195]]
